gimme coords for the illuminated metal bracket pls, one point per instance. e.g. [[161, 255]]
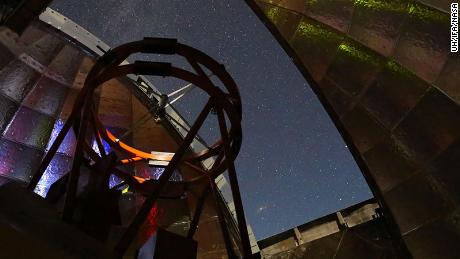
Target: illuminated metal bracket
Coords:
[[162, 159]]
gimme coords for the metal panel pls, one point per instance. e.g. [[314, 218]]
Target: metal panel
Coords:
[[354, 68], [445, 169], [317, 46], [437, 239], [46, 97], [16, 80], [394, 93], [449, 77], [389, 166], [283, 18], [6, 56], [44, 50], [11, 153], [378, 27], [337, 97], [115, 113], [423, 197], [335, 13], [59, 166], [30, 128], [365, 131], [68, 145], [424, 41], [7, 109], [430, 127], [66, 63]]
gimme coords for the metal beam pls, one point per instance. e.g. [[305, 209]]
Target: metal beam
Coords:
[[223, 224], [198, 211], [242, 225]]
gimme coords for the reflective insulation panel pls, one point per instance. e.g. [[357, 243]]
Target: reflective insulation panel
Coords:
[[17, 79], [47, 96], [18, 161], [68, 144], [30, 127], [59, 166]]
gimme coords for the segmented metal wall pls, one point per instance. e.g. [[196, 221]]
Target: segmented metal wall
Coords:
[[384, 72], [37, 89]]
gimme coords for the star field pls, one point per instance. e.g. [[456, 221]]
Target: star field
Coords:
[[293, 166]]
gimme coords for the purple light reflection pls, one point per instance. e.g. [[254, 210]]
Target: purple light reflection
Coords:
[[68, 144], [58, 167], [148, 172], [106, 145]]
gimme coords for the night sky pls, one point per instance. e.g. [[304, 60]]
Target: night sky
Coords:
[[293, 166]]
